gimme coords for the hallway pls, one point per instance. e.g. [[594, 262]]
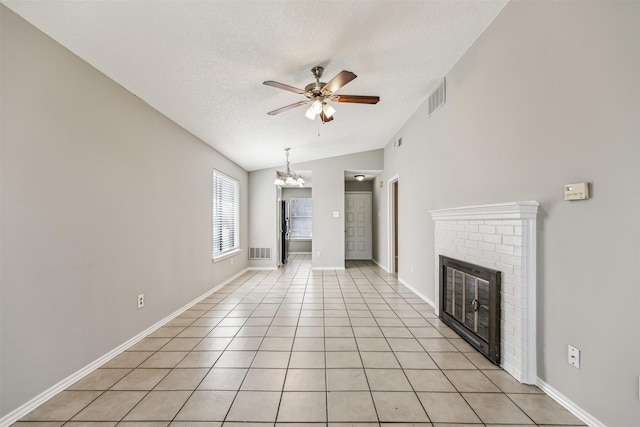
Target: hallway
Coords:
[[302, 346]]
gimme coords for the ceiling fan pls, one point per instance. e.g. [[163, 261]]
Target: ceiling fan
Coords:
[[318, 93]]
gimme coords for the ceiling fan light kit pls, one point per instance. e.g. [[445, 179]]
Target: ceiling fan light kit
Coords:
[[318, 93], [316, 106], [328, 110], [310, 114]]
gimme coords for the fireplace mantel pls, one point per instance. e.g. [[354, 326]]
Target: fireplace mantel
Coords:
[[502, 237], [513, 210]]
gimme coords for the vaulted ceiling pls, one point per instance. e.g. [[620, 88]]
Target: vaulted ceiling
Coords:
[[202, 63]]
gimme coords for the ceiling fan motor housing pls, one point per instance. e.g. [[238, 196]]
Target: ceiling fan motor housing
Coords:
[[314, 89]]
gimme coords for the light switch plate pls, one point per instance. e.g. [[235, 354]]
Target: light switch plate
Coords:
[[578, 191], [336, 214]]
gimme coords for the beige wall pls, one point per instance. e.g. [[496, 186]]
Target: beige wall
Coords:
[[549, 95], [102, 199]]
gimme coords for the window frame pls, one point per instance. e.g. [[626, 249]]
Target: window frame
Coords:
[[310, 217], [224, 247]]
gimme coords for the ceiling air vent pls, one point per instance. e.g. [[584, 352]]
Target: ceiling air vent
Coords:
[[259, 253], [437, 98]]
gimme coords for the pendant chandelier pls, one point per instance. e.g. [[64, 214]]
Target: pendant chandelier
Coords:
[[288, 177]]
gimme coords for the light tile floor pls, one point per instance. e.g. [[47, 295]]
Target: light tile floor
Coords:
[[294, 346]]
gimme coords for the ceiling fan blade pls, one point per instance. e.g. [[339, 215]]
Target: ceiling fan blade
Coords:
[[284, 86], [358, 99], [324, 118], [338, 81], [288, 107]]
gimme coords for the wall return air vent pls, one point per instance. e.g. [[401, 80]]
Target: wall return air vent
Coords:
[[437, 98], [259, 253]]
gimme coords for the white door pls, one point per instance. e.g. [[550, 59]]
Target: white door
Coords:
[[358, 226]]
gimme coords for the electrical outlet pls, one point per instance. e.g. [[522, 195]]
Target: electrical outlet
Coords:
[[412, 268], [318, 254], [574, 356], [231, 261], [140, 300]]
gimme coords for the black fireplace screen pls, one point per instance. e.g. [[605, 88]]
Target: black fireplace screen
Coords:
[[470, 304]]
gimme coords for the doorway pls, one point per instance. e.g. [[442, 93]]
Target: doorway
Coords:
[[294, 219], [297, 221]]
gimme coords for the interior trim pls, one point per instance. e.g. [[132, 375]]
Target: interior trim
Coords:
[[584, 416]]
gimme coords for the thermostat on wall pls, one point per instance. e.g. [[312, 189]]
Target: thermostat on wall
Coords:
[[579, 191]]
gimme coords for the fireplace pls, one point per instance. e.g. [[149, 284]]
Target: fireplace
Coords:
[[500, 237], [470, 304]]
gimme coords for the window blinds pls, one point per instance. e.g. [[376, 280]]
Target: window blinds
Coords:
[[225, 214]]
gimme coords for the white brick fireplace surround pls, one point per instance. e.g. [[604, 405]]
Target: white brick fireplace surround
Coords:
[[501, 237]]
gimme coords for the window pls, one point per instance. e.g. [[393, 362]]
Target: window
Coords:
[[225, 215], [300, 218]]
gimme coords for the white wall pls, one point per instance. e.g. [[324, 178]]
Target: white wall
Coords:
[[549, 95], [102, 199], [328, 197]]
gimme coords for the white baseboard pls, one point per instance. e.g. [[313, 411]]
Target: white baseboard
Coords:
[[32, 404], [380, 265], [417, 292], [583, 415]]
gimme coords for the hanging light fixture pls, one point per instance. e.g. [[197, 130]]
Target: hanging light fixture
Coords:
[[288, 177]]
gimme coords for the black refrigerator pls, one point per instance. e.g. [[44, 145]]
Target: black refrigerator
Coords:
[[284, 232]]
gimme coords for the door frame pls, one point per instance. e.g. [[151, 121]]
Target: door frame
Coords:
[[277, 251], [392, 219]]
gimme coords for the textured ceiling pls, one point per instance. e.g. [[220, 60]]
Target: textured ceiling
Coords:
[[202, 63]]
